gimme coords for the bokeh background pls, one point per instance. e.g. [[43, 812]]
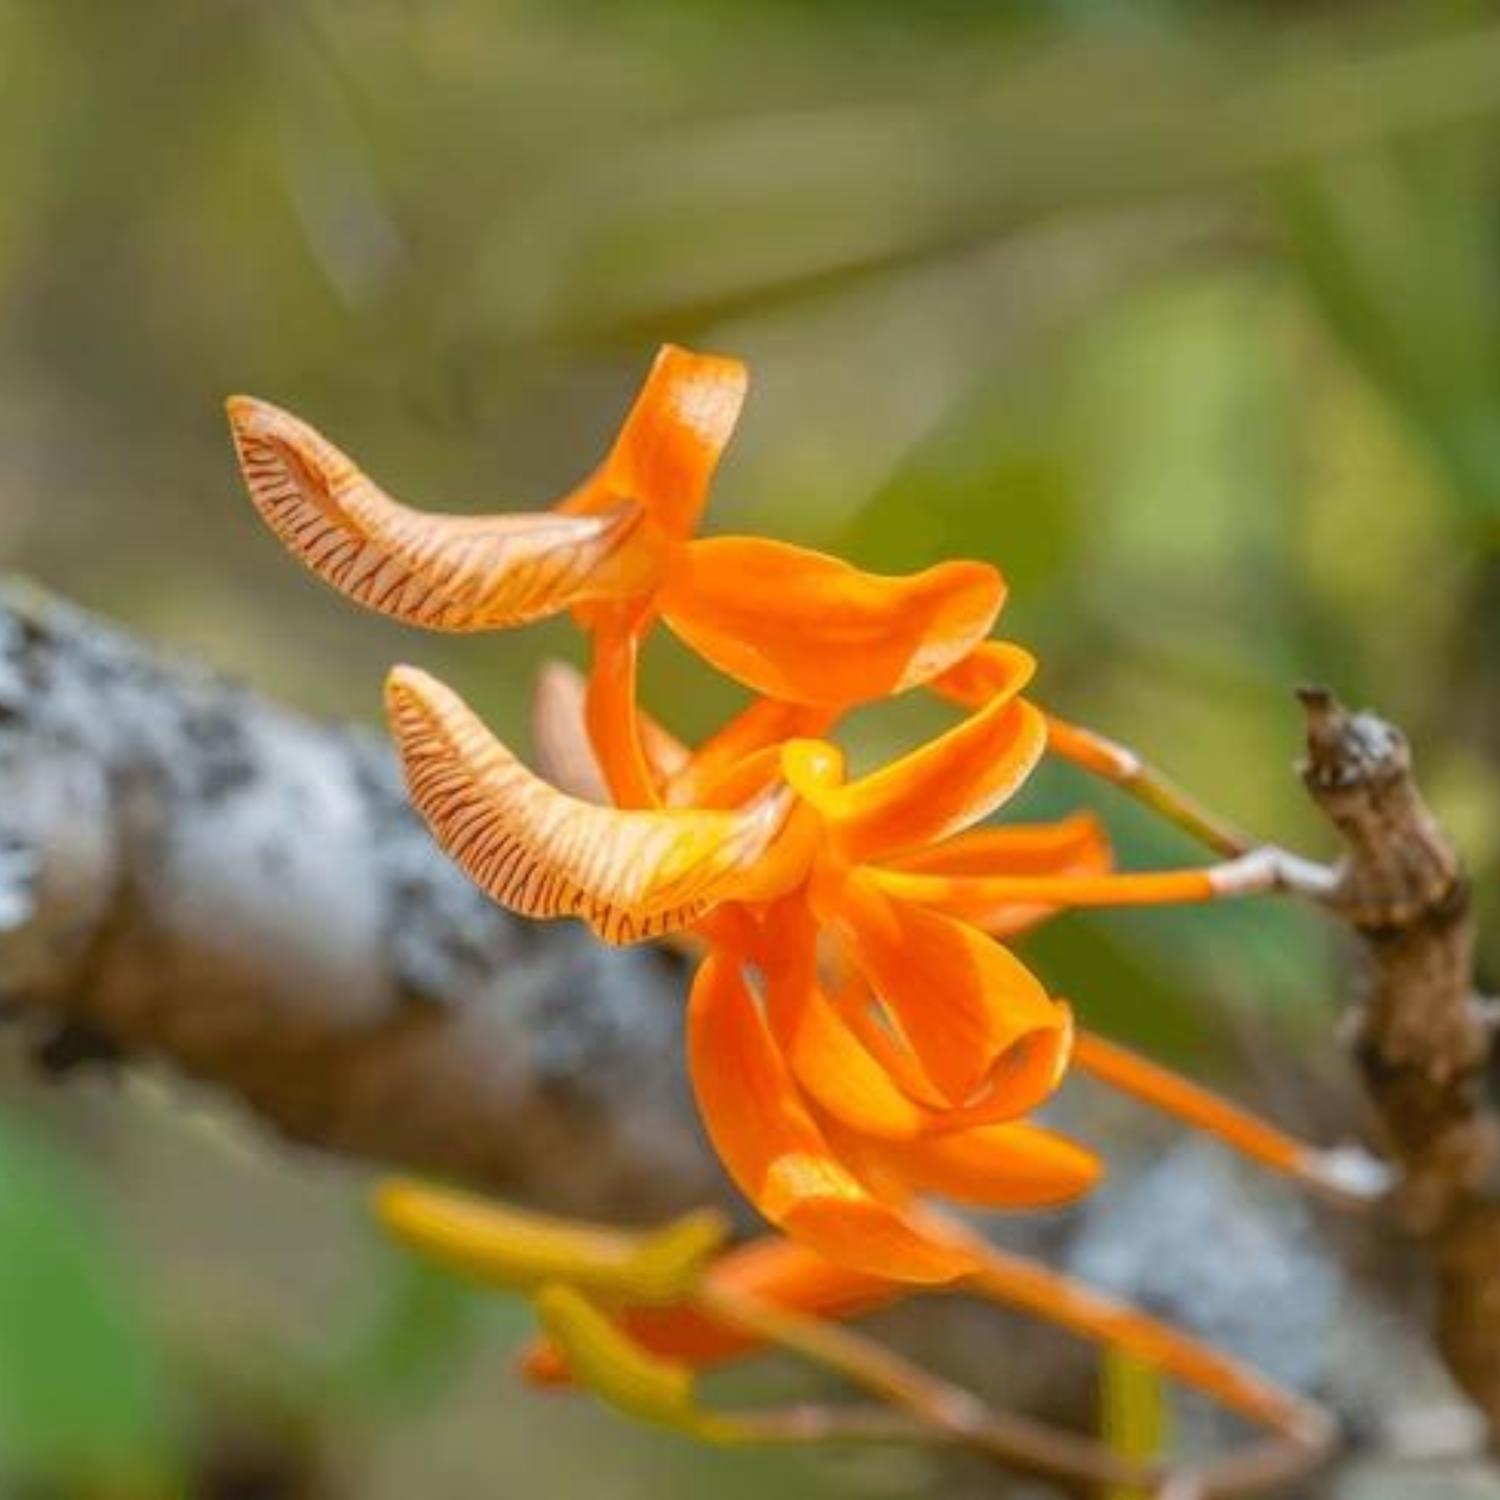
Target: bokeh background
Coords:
[[1186, 314]]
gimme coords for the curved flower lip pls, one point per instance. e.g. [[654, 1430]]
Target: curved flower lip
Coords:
[[442, 572], [628, 875]]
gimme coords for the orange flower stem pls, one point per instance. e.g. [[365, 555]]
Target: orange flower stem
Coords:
[[610, 710], [946, 1412], [1350, 1176], [1262, 870], [1125, 769], [1015, 1281]]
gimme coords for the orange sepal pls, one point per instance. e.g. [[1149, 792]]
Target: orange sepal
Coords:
[[670, 443], [1075, 846], [1012, 1165], [629, 875], [779, 1157], [959, 1000], [981, 893], [950, 782], [443, 572], [808, 628]]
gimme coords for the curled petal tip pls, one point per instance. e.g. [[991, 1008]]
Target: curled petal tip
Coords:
[[412, 699], [675, 434], [242, 410], [406, 688]]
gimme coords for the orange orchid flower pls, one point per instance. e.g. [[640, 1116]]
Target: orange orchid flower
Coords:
[[839, 1086], [619, 550], [860, 1040], [832, 1112]]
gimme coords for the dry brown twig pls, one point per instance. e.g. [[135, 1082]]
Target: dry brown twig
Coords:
[[1422, 1035]]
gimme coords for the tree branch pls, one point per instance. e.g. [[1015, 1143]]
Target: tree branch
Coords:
[[1423, 1037], [188, 873]]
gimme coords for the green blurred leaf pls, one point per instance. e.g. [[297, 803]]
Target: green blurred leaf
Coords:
[[84, 1397], [412, 1341], [1401, 248], [994, 479]]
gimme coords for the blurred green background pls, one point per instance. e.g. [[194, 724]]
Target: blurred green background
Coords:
[[1186, 314]]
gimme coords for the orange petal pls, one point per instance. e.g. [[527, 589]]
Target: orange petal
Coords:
[[839, 1074], [439, 571], [781, 1272], [864, 1087], [1014, 1165], [672, 440], [1024, 1078], [974, 680], [833, 1067], [1076, 846], [776, 1153], [726, 763], [950, 782], [981, 893], [629, 875], [808, 628], [859, 1075], [960, 1001], [560, 737]]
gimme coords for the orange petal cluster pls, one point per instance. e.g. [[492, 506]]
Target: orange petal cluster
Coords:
[[860, 1039]]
